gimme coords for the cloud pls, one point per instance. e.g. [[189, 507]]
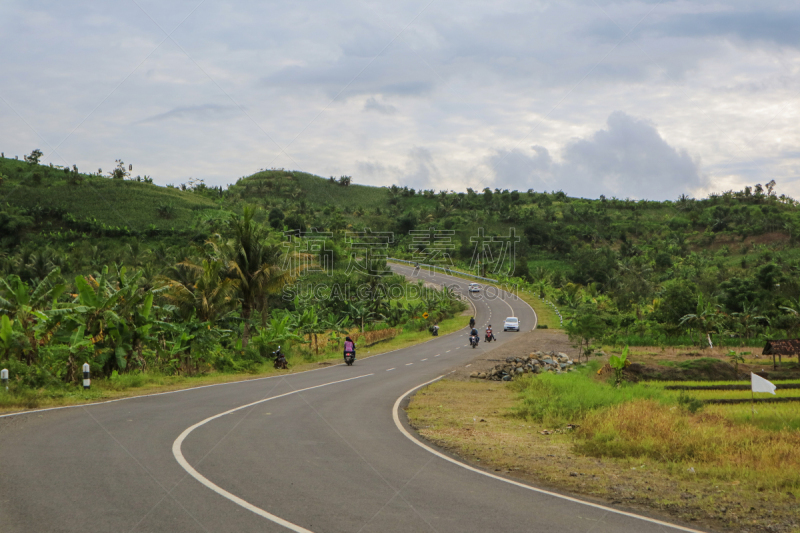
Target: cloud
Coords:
[[778, 26], [373, 105], [627, 159], [194, 113], [337, 84], [418, 170]]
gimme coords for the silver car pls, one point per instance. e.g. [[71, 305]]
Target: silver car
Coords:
[[511, 324]]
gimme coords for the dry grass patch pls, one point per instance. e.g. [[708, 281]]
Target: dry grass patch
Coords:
[[710, 444], [478, 421]]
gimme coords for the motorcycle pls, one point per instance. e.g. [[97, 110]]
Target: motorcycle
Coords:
[[435, 331], [349, 358], [473, 340], [490, 337], [280, 359]]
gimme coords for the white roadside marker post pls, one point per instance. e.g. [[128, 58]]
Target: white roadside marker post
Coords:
[[86, 381], [4, 377]]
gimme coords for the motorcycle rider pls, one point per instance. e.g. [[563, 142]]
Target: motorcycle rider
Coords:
[[349, 347], [474, 333], [280, 359], [435, 329], [489, 335], [472, 322]]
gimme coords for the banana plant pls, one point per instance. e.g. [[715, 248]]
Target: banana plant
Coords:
[[6, 335], [26, 306]]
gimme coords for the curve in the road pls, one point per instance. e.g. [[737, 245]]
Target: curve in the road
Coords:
[[351, 472], [176, 451], [409, 436]]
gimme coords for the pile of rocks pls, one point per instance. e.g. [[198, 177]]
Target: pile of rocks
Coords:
[[535, 363]]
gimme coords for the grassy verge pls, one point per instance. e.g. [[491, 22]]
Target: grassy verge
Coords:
[[638, 447], [138, 384]]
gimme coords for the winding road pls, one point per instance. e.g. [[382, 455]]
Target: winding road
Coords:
[[325, 450]]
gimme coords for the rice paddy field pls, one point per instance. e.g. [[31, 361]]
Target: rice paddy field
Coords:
[[770, 416]]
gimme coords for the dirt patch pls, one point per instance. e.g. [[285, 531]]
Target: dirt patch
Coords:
[[522, 345]]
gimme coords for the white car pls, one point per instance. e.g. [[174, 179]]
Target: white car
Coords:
[[511, 324], [474, 287]]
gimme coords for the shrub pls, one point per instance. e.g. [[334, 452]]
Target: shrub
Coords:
[[166, 211]]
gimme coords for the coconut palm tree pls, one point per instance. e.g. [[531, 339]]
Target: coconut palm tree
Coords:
[[202, 288], [255, 265]]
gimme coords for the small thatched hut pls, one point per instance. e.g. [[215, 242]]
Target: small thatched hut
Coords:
[[781, 348]]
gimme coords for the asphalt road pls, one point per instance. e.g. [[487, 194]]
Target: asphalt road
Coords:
[[315, 451]]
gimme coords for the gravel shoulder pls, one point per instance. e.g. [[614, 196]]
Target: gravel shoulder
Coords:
[[522, 344]]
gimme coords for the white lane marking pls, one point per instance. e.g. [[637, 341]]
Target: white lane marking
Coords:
[[468, 365], [409, 364], [437, 355], [424, 359], [448, 351], [389, 369], [176, 451], [419, 443]]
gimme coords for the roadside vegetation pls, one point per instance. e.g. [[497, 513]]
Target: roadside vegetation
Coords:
[[196, 287], [637, 444]]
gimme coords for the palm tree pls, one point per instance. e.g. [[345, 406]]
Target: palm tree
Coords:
[[255, 266], [202, 288]]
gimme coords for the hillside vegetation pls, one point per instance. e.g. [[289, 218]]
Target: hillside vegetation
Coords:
[[720, 270], [143, 282]]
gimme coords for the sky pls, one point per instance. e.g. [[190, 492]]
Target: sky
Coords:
[[635, 99]]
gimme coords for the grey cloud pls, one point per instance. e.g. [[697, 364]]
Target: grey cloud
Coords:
[[373, 105], [195, 112], [780, 27], [628, 159], [419, 170]]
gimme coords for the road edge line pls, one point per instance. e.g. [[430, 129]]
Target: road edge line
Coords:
[[178, 454], [409, 436]]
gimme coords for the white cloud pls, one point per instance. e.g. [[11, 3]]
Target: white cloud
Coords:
[[330, 87], [628, 159], [373, 105]]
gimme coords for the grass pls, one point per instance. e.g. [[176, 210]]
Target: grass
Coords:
[[663, 384], [705, 442], [137, 384], [560, 399], [480, 423], [772, 417]]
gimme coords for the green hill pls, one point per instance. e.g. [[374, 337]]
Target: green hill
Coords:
[[293, 186], [55, 193], [642, 265]]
